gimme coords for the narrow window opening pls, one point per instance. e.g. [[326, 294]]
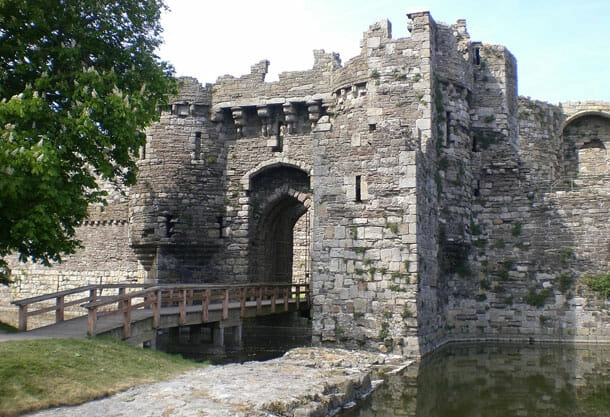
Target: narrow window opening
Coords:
[[477, 189], [277, 144], [143, 151], [197, 145], [475, 144], [448, 128], [358, 188], [169, 226], [477, 56], [220, 222], [372, 127]]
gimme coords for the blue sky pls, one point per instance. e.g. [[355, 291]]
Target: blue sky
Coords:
[[562, 47]]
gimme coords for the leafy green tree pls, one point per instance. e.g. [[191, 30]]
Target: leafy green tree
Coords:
[[79, 82]]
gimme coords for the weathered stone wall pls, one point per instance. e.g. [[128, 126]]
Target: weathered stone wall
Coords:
[[365, 255], [175, 204], [536, 232], [105, 258], [420, 196]]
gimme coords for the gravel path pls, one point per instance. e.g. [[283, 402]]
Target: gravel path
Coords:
[[306, 382]]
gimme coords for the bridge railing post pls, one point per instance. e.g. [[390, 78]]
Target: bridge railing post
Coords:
[[182, 307], [23, 317], [205, 305], [273, 298], [286, 295], [298, 295], [156, 305], [93, 294], [92, 321], [259, 300], [126, 318], [59, 309], [121, 293], [225, 305], [243, 292]]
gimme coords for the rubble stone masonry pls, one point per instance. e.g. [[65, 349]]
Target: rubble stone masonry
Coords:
[[422, 199]]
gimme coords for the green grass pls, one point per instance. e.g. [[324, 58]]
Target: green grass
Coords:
[[38, 374]]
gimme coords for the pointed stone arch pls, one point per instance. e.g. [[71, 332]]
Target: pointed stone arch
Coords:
[[280, 197], [270, 164]]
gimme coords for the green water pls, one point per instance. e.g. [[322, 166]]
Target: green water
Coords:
[[498, 381]]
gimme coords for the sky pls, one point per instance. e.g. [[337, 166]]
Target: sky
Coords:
[[562, 47]]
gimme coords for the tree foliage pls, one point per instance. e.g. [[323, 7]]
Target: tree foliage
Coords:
[[79, 83]]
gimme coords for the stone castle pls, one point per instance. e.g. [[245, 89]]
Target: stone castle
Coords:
[[421, 198]]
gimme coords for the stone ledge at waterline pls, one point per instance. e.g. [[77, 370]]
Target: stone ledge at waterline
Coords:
[[305, 382]]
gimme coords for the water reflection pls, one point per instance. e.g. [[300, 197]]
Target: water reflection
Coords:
[[259, 338], [498, 381]]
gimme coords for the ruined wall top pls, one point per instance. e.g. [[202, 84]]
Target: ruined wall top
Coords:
[[326, 75], [454, 53]]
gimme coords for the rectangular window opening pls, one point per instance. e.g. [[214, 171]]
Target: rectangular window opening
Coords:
[[372, 127], [358, 188], [220, 222], [448, 128], [477, 189], [477, 56], [197, 145]]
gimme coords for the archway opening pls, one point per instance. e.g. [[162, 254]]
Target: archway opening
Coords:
[[279, 236], [273, 245], [586, 140]]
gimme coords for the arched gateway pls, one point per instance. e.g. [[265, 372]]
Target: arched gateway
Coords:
[[279, 197]]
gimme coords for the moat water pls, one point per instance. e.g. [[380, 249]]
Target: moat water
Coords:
[[498, 381], [262, 338], [456, 381]]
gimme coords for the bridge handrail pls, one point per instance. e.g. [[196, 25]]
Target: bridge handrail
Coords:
[[113, 299], [135, 294], [60, 304], [44, 297], [154, 297], [125, 306]]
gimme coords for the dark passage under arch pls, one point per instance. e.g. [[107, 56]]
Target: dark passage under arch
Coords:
[[278, 200]]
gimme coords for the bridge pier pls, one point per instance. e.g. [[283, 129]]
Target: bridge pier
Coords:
[[218, 336], [218, 332]]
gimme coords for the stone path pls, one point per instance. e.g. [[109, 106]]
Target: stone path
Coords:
[[306, 382]]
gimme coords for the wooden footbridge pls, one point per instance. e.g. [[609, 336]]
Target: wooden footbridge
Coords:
[[135, 312]]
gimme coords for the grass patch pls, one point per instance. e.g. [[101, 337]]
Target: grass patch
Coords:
[[38, 374]]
